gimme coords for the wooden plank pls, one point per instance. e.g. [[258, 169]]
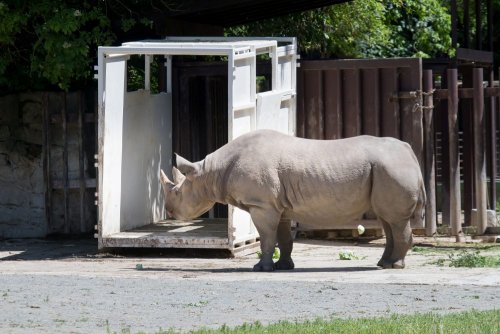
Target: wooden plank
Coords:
[[301, 118], [333, 104], [64, 112], [381, 63], [468, 93], [371, 101], [407, 105], [492, 147], [352, 98], [410, 79], [46, 158], [479, 154], [313, 103], [453, 158], [81, 163], [390, 108], [430, 164], [73, 183], [467, 121]]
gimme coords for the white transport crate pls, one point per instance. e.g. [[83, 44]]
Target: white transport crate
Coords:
[[135, 138]]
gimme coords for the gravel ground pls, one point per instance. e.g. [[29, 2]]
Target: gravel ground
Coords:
[[66, 287]]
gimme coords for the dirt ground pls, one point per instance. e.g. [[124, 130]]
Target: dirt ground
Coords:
[[68, 287]]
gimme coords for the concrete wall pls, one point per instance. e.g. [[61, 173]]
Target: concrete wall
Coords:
[[22, 204]]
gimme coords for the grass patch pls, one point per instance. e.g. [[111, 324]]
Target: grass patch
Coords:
[[474, 260], [276, 254], [469, 259], [446, 248], [464, 255], [484, 322], [349, 255]]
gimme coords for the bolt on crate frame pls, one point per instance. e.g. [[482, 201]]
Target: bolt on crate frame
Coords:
[[135, 138]]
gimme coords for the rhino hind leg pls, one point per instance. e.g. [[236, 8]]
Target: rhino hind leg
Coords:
[[389, 243], [285, 245], [402, 242]]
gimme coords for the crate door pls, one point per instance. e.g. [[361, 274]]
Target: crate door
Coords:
[[242, 119]]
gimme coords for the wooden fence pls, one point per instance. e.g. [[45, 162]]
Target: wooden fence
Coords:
[[68, 131], [468, 117], [439, 117]]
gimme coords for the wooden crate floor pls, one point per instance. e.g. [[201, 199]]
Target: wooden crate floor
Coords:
[[193, 228], [204, 233]]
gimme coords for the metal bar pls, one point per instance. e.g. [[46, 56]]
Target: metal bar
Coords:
[[46, 159], [430, 164], [479, 154], [81, 165], [333, 104], [147, 72], [65, 163], [455, 209]]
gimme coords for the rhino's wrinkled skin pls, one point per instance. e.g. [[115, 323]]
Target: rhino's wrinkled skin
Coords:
[[316, 182]]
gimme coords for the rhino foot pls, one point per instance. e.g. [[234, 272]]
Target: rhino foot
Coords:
[[386, 264], [284, 264], [263, 266]]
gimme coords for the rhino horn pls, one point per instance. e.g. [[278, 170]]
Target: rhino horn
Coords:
[[178, 176], [164, 178], [190, 169]]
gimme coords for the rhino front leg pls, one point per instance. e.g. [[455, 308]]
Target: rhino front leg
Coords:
[[285, 244], [266, 222]]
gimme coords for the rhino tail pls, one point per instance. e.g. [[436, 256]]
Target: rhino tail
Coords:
[[419, 212]]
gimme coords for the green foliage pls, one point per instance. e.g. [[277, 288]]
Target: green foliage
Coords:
[[473, 260], [466, 258], [364, 29], [418, 28], [53, 43], [276, 254], [349, 255], [49, 42]]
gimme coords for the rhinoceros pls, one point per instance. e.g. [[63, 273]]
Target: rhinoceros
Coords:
[[278, 178]]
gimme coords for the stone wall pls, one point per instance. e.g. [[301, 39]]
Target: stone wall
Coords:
[[22, 204], [22, 184]]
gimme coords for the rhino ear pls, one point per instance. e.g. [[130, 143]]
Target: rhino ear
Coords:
[[178, 176], [190, 169]]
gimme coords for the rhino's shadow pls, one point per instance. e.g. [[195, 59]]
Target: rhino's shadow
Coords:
[[277, 272]]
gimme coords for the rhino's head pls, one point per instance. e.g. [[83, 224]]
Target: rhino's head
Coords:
[[184, 197]]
